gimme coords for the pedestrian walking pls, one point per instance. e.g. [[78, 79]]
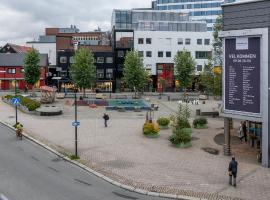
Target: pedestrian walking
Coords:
[[106, 118], [240, 131], [244, 132], [233, 171]]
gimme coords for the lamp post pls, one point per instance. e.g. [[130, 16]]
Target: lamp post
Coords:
[[15, 92], [76, 125]]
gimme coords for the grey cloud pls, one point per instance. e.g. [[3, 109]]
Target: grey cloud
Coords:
[[30, 17]]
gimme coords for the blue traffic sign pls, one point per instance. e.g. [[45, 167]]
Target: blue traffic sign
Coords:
[[76, 123], [16, 101]]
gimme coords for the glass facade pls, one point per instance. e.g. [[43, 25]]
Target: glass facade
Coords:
[[206, 10], [154, 20]]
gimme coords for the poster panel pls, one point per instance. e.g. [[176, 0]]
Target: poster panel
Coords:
[[242, 93]]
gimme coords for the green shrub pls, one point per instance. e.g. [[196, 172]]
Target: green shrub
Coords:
[[163, 121], [180, 136], [200, 122], [150, 128]]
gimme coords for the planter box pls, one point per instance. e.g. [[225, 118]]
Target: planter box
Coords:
[[163, 127], [182, 145], [152, 135]]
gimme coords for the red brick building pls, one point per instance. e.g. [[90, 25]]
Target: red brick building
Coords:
[[11, 70]]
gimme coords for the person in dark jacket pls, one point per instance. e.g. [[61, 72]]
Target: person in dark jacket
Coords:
[[244, 131], [106, 118], [233, 171]]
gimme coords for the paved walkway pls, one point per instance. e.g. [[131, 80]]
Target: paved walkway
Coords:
[[124, 154]]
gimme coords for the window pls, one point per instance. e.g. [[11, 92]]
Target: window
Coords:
[[148, 53], [109, 60], [120, 54], [140, 53], [109, 73], [63, 59], [100, 73], [11, 71], [206, 41], [100, 59], [199, 41], [187, 41], [140, 40], [160, 54], [180, 41], [71, 60], [168, 54], [199, 68], [22, 70], [148, 40], [203, 54]]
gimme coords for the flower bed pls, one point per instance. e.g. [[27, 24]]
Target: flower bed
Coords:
[[26, 104]]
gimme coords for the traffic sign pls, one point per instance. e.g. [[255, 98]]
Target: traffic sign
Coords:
[[16, 101], [76, 123]]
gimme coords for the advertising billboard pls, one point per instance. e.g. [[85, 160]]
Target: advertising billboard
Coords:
[[242, 76]]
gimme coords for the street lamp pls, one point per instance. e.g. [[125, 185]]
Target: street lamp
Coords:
[[76, 122]]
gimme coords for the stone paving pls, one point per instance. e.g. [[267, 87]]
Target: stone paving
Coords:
[[122, 153]]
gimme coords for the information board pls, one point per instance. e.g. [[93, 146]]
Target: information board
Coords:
[[242, 93]]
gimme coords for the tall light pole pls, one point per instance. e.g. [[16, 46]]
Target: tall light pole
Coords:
[[76, 125], [15, 92]]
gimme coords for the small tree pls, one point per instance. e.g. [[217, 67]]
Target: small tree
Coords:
[[135, 75], [185, 67], [207, 78], [83, 71], [32, 68]]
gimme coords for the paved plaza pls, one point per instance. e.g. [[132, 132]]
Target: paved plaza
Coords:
[[123, 153]]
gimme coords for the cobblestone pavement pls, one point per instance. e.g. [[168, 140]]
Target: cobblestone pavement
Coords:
[[124, 154]]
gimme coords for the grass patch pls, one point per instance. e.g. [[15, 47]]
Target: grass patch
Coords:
[[74, 157]]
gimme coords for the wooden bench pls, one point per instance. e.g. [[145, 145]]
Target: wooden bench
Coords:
[[210, 113]]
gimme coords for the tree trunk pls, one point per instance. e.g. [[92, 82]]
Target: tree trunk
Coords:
[[84, 92]]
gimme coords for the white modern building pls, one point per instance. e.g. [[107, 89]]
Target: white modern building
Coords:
[[202, 10], [159, 47], [158, 36]]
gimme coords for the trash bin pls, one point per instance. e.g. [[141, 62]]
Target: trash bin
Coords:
[[198, 112]]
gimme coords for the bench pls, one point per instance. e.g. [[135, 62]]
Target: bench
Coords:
[[210, 113]]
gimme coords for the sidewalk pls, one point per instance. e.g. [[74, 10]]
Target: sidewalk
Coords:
[[122, 153]]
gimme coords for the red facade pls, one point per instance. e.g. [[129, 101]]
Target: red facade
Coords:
[[8, 75], [165, 72]]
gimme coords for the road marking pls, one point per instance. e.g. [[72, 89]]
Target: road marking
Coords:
[[53, 169], [83, 182], [124, 196], [3, 197]]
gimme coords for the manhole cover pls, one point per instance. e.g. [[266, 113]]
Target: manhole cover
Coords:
[[219, 139], [211, 150]]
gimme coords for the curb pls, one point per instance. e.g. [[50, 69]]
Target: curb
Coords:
[[107, 179]]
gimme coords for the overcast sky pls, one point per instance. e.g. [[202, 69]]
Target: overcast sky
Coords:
[[24, 20]]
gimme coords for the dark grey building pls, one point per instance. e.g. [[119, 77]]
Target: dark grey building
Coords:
[[246, 47]]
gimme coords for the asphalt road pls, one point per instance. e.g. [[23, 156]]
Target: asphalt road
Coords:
[[29, 172]]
